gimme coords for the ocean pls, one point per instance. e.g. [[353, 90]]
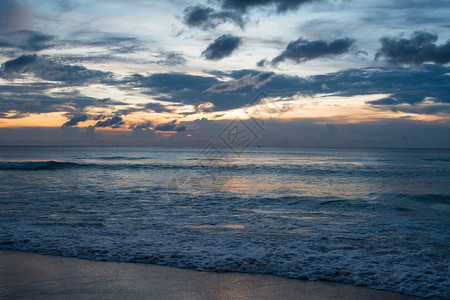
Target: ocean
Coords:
[[373, 217]]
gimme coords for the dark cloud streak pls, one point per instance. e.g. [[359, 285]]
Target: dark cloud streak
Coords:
[[172, 59], [75, 120], [205, 17], [114, 122], [255, 81], [302, 50], [171, 126], [222, 47], [51, 70], [28, 40], [281, 5]]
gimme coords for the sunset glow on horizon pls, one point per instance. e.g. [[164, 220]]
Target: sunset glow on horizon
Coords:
[[163, 66]]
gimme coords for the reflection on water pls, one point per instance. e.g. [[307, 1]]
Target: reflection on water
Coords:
[[361, 216]]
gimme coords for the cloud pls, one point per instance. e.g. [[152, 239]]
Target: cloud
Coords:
[[426, 87], [410, 86], [75, 120], [143, 131], [279, 133], [26, 40], [168, 83], [51, 70], [172, 59], [222, 47], [261, 63], [114, 43], [281, 5], [17, 101], [383, 101], [302, 50], [204, 107], [233, 11], [13, 15], [114, 122], [180, 128], [418, 49], [20, 65], [255, 81], [171, 126], [191, 90], [142, 126], [157, 107], [205, 17], [428, 106]]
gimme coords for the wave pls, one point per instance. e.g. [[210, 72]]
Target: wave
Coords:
[[210, 167], [53, 165], [36, 165], [438, 159], [122, 158]]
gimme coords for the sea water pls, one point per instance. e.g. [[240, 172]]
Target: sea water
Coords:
[[373, 217]]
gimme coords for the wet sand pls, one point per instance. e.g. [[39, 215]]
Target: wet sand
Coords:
[[33, 276]]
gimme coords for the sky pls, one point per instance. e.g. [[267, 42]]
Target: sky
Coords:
[[289, 73]]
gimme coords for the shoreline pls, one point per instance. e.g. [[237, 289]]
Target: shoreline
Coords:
[[30, 276]]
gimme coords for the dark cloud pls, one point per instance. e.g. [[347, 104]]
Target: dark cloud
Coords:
[[97, 59], [232, 11], [114, 122], [75, 120], [13, 15], [51, 70], [409, 86], [190, 89], [422, 90], [20, 65], [171, 126], [35, 98], [255, 81], [383, 101], [281, 5], [172, 59], [418, 49], [145, 107], [142, 126], [261, 63], [157, 107], [26, 40], [168, 83], [402, 85], [427, 107], [29, 40], [302, 50], [180, 128], [206, 17], [144, 132], [222, 47]]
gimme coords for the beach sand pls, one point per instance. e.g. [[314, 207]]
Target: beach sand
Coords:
[[33, 276]]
